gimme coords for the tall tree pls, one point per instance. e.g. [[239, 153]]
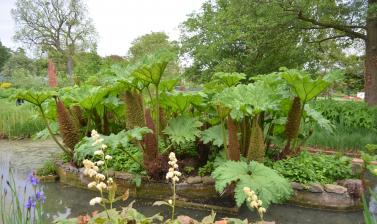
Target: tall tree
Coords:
[[60, 26], [149, 44], [344, 21], [4, 55], [241, 36]]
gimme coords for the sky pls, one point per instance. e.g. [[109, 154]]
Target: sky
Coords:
[[118, 22]]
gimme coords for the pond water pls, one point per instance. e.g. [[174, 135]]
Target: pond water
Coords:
[[67, 201]]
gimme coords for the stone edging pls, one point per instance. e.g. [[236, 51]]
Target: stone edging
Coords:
[[345, 195], [199, 192]]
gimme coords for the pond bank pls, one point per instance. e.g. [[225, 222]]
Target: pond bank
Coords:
[[67, 201]]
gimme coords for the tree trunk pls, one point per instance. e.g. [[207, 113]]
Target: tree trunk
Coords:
[[371, 57], [70, 66]]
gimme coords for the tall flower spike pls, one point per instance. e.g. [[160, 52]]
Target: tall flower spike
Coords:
[[173, 173]]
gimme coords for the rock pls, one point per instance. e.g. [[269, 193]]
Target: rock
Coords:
[[111, 173], [333, 188], [194, 180], [208, 180], [297, 186], [183, 219], [315, 188], [354, 187], [124, 176]]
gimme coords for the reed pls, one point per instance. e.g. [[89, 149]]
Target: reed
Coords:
[[18, 121]]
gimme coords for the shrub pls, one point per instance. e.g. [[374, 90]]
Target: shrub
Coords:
[[48, 168], [312, 168]]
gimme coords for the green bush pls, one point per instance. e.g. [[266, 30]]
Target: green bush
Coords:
[[315, 168], [48, 168]]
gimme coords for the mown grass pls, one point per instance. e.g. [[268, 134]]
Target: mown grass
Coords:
[[18, 121], [343, 138]]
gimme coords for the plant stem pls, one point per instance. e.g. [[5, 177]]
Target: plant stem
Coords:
[[157, 115], [224, 137], [69, 152], [173, 206]]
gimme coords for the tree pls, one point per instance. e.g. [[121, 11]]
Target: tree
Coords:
[[54, 26], [241, 36], [149, 44], [4, 55], [347, 22]]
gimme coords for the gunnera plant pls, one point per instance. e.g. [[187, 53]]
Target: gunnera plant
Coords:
[[234, 146], [256, 148], [150, 140], [292, 126], [134, 109], [67, 127], [76, 111]]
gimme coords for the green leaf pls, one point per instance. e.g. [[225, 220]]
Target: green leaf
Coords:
[[268, 185], [229, 79], [34, 97], [150, 69], [305, 87], [319, 119], [213, 134], [181, 101], [183, 129]]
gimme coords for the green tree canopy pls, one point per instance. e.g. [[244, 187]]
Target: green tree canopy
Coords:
[[241, 36], [54, 25], [151, 43], [4, 55]]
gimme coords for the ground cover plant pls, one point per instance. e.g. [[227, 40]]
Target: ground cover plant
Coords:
[[315, 168]]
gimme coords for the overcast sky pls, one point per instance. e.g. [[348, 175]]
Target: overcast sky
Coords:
[[119, 22]]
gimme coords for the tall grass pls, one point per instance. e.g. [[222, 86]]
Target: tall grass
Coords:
[[343, 138], [18, 121]]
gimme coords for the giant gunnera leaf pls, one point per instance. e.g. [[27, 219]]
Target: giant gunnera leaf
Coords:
[[214, 134], [183, 129], [266, 182]]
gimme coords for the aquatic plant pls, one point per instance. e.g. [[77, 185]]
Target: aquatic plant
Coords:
[[21, 207]]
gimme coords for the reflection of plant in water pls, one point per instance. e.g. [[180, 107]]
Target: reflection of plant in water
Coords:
[[15, 210]]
